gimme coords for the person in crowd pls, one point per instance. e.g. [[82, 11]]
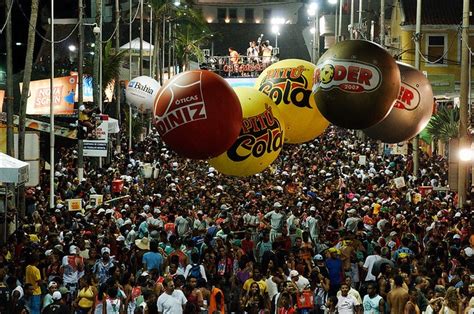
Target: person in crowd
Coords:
[[373, 303], [171, 301], [398, 297]]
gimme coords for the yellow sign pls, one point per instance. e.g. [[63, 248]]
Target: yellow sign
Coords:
[[260, 139], [74, 204], [96, 199], [289, 84]]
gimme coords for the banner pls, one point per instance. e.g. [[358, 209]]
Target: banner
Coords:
[[39, 126], [74, 204], [96, 199], [96, 143], [399, 182], [64, 89], [88, 89], [2, 96]]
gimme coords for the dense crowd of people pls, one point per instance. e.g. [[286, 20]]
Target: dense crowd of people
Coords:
[[320, 231]]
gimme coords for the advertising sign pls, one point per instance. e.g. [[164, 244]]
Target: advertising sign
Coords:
[[64, 90], [2, 96], [74, 204], [96, 143], [88, 90]]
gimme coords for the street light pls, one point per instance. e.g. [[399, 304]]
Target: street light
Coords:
[[466, 154], [313, 11], [334, 2], [276, 23]]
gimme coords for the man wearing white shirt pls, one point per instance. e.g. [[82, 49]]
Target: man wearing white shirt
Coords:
[[275, 217], [300, 281], [346, 304], [369, 264], [171, 301], [312, 224]]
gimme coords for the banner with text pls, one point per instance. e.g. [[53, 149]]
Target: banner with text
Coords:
[[96, 144], [64, 90]]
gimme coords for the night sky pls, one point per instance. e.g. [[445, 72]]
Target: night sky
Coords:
[[20, 17]]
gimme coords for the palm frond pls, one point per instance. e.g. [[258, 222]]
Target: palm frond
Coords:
[[444, 125]]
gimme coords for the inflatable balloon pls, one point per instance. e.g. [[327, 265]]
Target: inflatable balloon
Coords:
[[356, 82], [197, 114], [141, 92], [411, 112], [288, 83], [260, 140]]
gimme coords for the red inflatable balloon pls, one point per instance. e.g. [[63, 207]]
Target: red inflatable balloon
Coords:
[[412, 110], [198, 114]]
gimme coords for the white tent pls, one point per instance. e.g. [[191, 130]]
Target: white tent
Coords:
[[13, 170], [113, 125], [136, 45]]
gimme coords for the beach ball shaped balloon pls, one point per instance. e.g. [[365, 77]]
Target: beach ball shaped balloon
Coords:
[[355, 84], [288, 83], [141, 93], [411, 112], [261, 137], [198, 114]]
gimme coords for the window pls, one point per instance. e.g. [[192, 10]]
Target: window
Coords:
[[249, 14], [221, 14], [267, 14], [436, 48], [232, 14]]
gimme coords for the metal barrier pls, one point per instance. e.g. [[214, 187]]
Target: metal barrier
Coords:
[[243, 67]]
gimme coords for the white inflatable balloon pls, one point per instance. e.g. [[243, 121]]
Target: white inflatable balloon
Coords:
[[141, 93]]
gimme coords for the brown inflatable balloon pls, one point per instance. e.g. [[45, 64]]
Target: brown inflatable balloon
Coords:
[[356, 82], [411, 112]]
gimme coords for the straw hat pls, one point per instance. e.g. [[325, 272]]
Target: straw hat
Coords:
[[143, 243]]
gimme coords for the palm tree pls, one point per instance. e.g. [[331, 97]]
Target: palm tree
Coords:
[[192, 28], [24, 95], [444, 126], [188, 42]]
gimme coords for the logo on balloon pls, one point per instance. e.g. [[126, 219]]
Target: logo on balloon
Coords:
[[261, 134], [408, 98], [142, 87], [348, 76], [287, 86], [183, 110]]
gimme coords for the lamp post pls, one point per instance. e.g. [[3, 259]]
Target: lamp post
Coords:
[[313, 11], [276, 31], [334, 2], [276, 23], [51, 116]]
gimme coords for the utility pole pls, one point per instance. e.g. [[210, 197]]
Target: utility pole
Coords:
[[118, 88], [141, 38], [464, 103], [417, 37], [80, 92], [382, 23], [9, 96], [352, 21]]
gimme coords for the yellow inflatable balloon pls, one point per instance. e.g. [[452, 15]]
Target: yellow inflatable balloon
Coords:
[[289, 84], [260, 139]]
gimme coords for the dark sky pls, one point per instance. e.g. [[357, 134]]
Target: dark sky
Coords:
[[20, 18]]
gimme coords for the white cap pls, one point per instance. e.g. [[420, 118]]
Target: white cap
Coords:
[[277, 205], [56, 296], [100, 211], [105, 250], [73, 249], [294, 273], [456, 236], [312, 208]]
